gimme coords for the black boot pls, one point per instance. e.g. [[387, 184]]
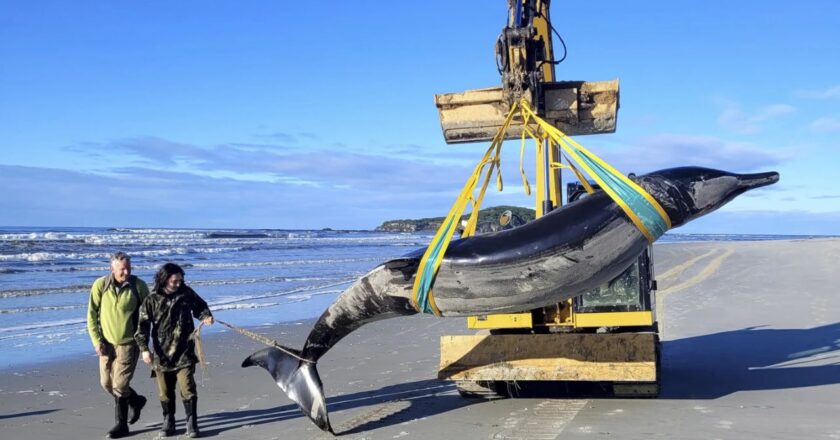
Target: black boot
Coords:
[[121, 415], [167, 429], [136, 403], [190, 407]]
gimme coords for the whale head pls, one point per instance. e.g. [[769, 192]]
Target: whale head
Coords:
[[687, 193]]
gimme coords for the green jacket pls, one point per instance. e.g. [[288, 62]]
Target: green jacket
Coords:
[[168, 319], [112, 309]]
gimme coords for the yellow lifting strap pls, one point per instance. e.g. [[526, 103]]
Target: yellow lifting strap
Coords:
[[422, 296], [642, 209]]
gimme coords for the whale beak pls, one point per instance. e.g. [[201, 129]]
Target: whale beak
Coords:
[[757, 180]]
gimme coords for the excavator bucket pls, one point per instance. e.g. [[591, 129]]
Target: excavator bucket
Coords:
[[575, 107]]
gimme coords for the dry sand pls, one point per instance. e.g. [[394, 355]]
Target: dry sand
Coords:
[[751, 343]]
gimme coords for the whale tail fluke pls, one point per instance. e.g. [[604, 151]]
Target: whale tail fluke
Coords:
[[298, 379]]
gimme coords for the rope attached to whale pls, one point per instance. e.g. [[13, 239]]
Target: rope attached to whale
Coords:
[[642, 209], [196, 337]]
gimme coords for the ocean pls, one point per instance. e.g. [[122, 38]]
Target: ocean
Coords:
[[248, 277]]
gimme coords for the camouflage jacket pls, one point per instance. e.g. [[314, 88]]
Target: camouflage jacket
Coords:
[[168, 319]]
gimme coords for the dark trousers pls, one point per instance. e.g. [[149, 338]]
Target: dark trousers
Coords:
[[186, 383]]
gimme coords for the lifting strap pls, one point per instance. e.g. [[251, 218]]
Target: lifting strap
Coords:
[[642, 209]]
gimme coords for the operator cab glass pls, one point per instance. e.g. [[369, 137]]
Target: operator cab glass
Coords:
[[626, 292]]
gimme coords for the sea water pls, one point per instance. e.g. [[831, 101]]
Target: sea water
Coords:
[[248, 277]]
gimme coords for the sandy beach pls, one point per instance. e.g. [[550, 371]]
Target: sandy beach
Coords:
[[751, 342]]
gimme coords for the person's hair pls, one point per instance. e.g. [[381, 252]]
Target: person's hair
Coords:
[[120, 256], [163, 274]]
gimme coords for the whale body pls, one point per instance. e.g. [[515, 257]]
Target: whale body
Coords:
[[559, 256]]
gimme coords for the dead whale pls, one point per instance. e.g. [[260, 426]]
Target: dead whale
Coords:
[[556, 257]]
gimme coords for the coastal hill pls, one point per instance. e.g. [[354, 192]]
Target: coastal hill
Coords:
[[488, 220]]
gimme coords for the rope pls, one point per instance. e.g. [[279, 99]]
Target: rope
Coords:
[[196, 336], [199, 351]]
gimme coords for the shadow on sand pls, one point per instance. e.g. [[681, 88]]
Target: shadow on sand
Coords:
[[700, 367], [27, 414], [715, 365], [389, 406]]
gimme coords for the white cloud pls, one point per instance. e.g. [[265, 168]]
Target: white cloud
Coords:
[[737, 120], [827, 124], [765, 222], [158, 198], [313, 166], [829, 93], [673, 150]]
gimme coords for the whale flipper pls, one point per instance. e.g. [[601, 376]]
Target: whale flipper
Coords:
[[298, 379]]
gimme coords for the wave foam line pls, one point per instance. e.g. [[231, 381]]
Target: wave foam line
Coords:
[[153, 267], [42, 325], [84, 289], [286, 293], [41, 309], [34, 257], [17, 293]]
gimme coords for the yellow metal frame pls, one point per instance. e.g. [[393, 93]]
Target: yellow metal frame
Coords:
[[614, 319], [504, 320], [630, 360], [565, 317], [617, 357], [643, 318]]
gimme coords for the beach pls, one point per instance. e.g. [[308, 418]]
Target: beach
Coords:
[[750, 349]]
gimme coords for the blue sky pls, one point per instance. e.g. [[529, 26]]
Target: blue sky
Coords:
[[321, 114]]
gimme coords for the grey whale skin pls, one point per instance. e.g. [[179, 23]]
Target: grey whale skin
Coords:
[[556, 257]]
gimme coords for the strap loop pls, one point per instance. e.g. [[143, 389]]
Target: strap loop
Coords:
[[642, 209]]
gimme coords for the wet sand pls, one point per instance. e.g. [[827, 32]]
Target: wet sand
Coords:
[[751, 344]]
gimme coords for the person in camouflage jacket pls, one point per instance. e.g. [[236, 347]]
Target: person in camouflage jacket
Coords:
[[167, 316]]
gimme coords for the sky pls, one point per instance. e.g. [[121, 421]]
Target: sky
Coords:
[[307, 115]]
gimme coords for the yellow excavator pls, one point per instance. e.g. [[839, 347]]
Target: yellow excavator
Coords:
[[608, 335]]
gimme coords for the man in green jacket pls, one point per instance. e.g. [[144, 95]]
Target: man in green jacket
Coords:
[[113, 310]]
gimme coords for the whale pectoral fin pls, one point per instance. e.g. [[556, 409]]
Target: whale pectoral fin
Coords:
[[298, 379]]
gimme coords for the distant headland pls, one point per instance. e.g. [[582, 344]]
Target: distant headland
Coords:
[[488, 220]]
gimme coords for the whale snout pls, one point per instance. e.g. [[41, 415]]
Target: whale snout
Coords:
[[701, 190], [757, 180]]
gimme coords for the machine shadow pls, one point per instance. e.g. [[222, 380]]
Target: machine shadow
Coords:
[[719, 364]]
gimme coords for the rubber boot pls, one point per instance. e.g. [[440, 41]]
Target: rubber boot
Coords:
[[167, 428], [121, 416], [190, 407], [136, 403]]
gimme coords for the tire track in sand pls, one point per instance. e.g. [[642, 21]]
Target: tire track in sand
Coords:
[[673, 274], [544, 422], [359, 427]]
